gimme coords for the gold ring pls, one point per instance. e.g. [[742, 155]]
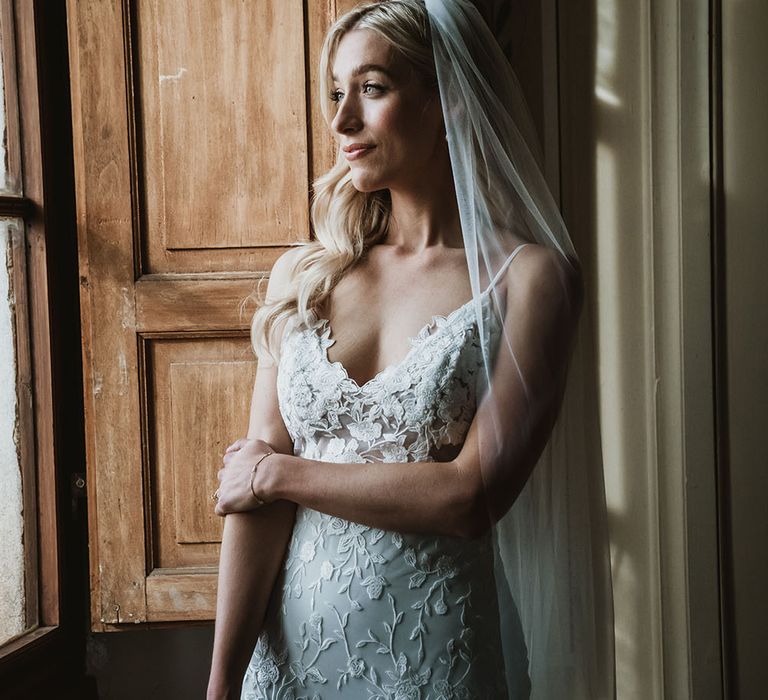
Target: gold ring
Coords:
[[215, 495]]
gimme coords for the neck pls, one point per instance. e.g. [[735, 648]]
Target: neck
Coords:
[[425, 214]]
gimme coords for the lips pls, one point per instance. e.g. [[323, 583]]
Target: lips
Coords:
[[357, 150]]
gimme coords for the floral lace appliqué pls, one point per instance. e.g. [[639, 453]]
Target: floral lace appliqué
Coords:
[[359, 612]]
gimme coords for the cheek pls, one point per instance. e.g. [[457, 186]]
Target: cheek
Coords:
[[431, 123], [387, 120], [410, 131]]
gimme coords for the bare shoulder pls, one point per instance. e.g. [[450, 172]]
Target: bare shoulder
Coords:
[[283, 270], [279, 289], [542, 278]]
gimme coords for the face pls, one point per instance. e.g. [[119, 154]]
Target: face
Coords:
[[388, 123]]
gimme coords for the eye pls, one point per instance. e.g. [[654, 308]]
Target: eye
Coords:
[[371, 88], [336, 95]]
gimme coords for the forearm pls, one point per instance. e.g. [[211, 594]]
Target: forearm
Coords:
[[252, 550], [425, 497]]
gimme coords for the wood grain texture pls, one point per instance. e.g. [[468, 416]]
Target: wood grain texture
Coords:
[[105, 240], [195, 304], [178, 596], [319, 16], [203, 396], [198, 391], [223, 150]]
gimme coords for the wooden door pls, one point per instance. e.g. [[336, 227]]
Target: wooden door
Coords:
[[197, 133]]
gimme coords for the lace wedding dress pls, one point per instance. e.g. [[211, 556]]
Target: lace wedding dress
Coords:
[[362, 613]]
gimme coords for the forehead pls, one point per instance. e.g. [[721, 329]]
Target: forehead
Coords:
[[363, 47]]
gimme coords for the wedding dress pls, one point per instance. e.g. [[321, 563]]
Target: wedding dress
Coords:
[[366, 614]]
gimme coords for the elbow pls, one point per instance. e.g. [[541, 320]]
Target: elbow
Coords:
[[471, 515]]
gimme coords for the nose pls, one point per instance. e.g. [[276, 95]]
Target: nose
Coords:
[[348, 119]]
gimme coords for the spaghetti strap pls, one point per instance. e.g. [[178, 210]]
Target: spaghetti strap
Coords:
[[504, 267]]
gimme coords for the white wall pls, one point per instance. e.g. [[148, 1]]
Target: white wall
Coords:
[[12, 602]]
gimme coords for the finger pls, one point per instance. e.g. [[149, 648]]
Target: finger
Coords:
[[236, 445], [229, 457]]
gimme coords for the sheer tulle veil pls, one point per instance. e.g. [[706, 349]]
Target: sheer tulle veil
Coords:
[[552, 564]]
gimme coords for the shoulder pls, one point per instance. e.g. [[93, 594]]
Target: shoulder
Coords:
[[271, 320], [542, 280], [281, 276]]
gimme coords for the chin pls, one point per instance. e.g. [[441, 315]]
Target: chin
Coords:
[[365, 183]]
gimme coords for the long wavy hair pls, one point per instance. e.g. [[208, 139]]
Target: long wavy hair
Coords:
[[345, 221]]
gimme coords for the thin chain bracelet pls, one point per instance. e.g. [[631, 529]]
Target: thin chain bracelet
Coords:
[[259, 502]]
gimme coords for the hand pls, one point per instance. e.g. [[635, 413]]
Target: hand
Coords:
[[235, 492]]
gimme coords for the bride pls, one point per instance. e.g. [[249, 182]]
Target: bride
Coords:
[[406, 333]]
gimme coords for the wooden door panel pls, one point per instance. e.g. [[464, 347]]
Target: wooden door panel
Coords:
[[198, 398], [195, 304], [223, 145], [178, 596]]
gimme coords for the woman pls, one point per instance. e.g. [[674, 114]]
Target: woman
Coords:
[[386, 340]]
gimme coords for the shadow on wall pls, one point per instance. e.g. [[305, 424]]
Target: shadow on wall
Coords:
[[604, 174], [158, 663]]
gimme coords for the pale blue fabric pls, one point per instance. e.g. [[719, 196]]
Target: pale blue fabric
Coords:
[[359, 612]]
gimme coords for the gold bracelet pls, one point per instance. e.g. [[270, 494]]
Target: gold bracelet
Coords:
[[259, 502]]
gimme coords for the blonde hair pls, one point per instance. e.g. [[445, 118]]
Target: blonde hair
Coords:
[[346, 222]]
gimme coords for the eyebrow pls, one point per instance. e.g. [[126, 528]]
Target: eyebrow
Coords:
[[367, 68]]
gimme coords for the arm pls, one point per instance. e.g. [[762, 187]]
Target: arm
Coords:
[[466, 495], [252, 547]]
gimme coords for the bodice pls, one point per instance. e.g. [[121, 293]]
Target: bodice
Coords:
[[404, 413], [359, 612]]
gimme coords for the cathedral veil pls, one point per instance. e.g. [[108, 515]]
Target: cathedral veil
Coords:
[[552, 558]]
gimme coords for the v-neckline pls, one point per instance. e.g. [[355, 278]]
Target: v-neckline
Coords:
[[414, 341]]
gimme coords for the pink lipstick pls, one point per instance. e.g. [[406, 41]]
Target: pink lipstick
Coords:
[[357, 150]]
